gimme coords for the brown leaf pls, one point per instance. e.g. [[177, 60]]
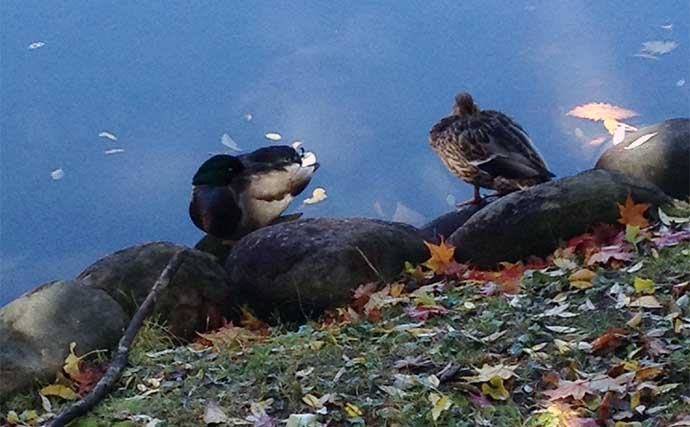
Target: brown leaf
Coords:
[[611, 340], [575, 389], [633, 213]]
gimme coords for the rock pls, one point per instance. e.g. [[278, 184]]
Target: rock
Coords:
[[216, 247], [447, 223], [37, 328], [663, 160], [196, 300], [534, 221], [299, 269]]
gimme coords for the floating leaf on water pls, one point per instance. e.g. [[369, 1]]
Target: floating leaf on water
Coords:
[[318, 195], [598, 140], [248, 117], [114, 151], [229, 142], [36, 45], [641, 140], [108, 135], [658, 47], [273, 136], [379, 209], [57, 174], [579, 134], [680, 83], [619, 135], [668, 26], [599, 111], [450, 200], [407, 215]]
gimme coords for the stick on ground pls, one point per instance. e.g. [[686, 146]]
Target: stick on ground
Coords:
[[120, 360]]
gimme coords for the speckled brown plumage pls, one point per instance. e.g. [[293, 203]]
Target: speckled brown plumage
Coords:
[[487, 149]]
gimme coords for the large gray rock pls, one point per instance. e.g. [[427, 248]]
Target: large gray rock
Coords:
[[299, 269], [663, 160], [197, 298], [534, 221], [37, 328]]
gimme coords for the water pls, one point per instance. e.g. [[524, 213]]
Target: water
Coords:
[[360, 84]]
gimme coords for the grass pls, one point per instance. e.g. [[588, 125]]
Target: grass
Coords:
[[389, 370]]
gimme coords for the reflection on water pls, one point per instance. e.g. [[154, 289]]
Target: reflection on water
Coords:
[[157, 88]]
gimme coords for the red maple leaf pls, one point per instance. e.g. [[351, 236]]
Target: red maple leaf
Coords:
[[87, 379], [611, 340], [423, 313]]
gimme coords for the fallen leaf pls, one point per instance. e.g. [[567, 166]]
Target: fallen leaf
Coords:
[[610, 340], [57, 174], [647, 301], [273, 136], [599, 111], [213, 414], [441, 259], [641, 140], [643, 286], [440, 403], [487, 372], [59, 390], [495, 389], [36, 45], [302, 420], [352, 410], [317, 196], [582, 279], [108, 135], [227, 140], [658, 47], [575, 389], [633, 213]]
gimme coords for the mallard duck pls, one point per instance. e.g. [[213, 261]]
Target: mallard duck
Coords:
[[487, 149], [234, 195]]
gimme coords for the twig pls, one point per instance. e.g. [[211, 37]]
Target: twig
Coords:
[[370, 264], [120, 360]]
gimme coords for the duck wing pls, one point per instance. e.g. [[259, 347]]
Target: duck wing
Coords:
[[499, 146], [215, 210]]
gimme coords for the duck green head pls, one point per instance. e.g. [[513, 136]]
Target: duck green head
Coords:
[[218, 171]]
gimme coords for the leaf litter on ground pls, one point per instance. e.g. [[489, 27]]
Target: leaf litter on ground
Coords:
[[435, 348]]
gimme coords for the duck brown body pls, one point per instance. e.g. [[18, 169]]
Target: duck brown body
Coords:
[[487, 149]]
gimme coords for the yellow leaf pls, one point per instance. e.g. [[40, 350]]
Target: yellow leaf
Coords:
[[644, 286], [486, 373], [647, 373], [312, 401], [635, 400], [582, 279], [583, 274], [581, 284], [352, 411], [397, 289], [59, 391], [601, 111], [441, 257], [72, 361], [495, 389], [440, 403]]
